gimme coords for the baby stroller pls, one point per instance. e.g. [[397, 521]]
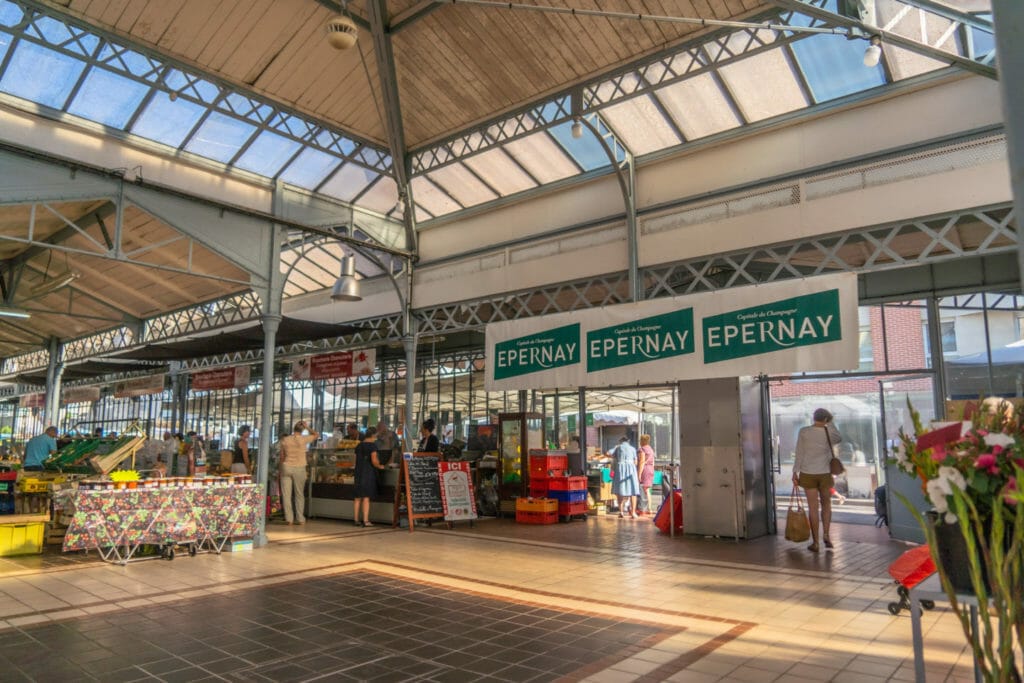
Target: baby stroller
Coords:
[[910, 569]]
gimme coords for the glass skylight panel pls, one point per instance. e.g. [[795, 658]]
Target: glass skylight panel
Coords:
[[542, 157], [167, 121], [500, 171], [764, 85], [108, 98], [698, 106], [834, 66], [586, 150], [310, 168], [381, 197], [10, 14], [191, 86], [57, 33], [220, 137], [267, 154], [906, 64], [431, 198], [641, 125], [422, 215], [460, 183], [40, 75], [123, 59], [982, 41], [347, 182], [5, 44]]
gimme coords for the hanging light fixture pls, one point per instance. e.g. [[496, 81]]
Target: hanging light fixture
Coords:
[[346, 287], [11, 312], [873, 54]]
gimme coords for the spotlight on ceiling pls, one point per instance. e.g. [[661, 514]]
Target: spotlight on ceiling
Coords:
[[52, 284], [873, 54], [10, 312], [341, 32], [577, 129], [346, 287]]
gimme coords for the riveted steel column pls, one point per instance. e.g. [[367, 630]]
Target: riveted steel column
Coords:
[[1009, 27]]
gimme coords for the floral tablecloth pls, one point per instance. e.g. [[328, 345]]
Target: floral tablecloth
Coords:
[[133, 517]]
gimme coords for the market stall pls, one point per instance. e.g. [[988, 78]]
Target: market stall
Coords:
[[203, 515], [332, 486]]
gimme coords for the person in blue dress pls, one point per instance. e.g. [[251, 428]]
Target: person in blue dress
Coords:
[[39, 448], [367, 465], [626, 482]]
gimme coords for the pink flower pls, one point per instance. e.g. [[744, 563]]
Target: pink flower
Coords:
[[1011, 488], [987, 461]]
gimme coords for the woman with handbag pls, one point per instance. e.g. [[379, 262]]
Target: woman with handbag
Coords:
[[813, 470]]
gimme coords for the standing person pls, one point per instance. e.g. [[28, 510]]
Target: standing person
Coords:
[[814, 445], [293, 471], [39, 448], [428, 439], [387, 442], [626, 484], [168, 451], [352, 433], [367, 465], [240, 455], [646, 471]]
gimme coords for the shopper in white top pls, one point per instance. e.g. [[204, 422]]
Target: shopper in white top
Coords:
[[814, 446]]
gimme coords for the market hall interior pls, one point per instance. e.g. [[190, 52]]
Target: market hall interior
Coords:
[[603, 600]]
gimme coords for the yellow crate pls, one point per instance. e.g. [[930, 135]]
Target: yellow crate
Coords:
[[536, 505], [21, 539], [33, 486]]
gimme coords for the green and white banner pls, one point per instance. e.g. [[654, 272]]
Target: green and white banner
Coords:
[[796, 326]]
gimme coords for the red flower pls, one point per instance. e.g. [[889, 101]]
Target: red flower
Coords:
[[987, 461]]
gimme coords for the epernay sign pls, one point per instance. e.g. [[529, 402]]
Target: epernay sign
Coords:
[[796, 326]]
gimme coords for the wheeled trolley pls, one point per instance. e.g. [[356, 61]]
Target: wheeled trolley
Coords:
[[910, 569]]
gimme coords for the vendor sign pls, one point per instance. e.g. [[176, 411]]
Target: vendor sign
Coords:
[[79, 395], [335, 365], [139, 386], [795, 326], [456, 491], [223, 378], [32, 401]]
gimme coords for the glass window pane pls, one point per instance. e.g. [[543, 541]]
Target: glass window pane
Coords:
[[267, 154], [40, 75], [586, 149], [698, 106], [981, 345], [906, 64], [764, 85], [500, 171], [539, 155], [108, 98], [460, 183], [220, 137], [641, 125], [167, 121], [10, 14], [432, 198], [381, 197], [348, 181], [310, 168], [834, 66]]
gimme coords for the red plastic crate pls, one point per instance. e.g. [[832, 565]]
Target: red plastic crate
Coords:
[[536, 517], [572, 509], [539, 488], [567, 484], [544, 466]]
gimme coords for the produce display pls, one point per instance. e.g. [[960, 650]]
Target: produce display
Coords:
[[95, 455]]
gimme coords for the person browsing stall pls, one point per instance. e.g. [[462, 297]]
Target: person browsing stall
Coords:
[[814, 450], [367, 465], [293, 471], [626, 482], [39, 448], [428, 439], [240, 463]]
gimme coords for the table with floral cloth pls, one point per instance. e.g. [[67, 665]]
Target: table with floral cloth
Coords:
[[118, 522]]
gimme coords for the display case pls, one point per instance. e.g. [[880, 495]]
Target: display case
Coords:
[[331, 490], [517, 434]]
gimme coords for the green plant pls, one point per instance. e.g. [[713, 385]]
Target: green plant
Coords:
[[971, 472]]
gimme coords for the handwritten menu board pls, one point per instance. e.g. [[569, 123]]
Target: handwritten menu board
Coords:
[[422, 486]]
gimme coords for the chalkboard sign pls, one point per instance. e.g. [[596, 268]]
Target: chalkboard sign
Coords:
[[422, 484]]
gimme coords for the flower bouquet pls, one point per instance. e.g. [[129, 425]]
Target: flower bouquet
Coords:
[[969, 472]]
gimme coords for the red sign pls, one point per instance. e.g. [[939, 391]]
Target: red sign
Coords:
[[79, 395], [457, 495], [225, 378], [335, 365]]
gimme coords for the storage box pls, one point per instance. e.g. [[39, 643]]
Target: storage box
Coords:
[[572, 509], [539, 488], [569, 496], [21, 539], [523, 517], [567, 484], [238, 546], [536, 505], [549, 465]]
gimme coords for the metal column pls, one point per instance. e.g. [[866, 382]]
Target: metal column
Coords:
[[54, 372], [270, 325], [1009, 28]]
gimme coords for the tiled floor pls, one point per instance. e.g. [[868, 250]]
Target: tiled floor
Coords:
[[603, 600]]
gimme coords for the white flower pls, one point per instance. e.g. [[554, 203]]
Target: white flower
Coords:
[[938, 489], [954, 477], [950, 518], [998, 439]]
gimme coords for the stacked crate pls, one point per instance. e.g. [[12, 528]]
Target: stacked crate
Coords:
[[549, 478], [536, 511]]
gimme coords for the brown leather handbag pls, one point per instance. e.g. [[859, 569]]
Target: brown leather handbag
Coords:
[[835, 465]]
